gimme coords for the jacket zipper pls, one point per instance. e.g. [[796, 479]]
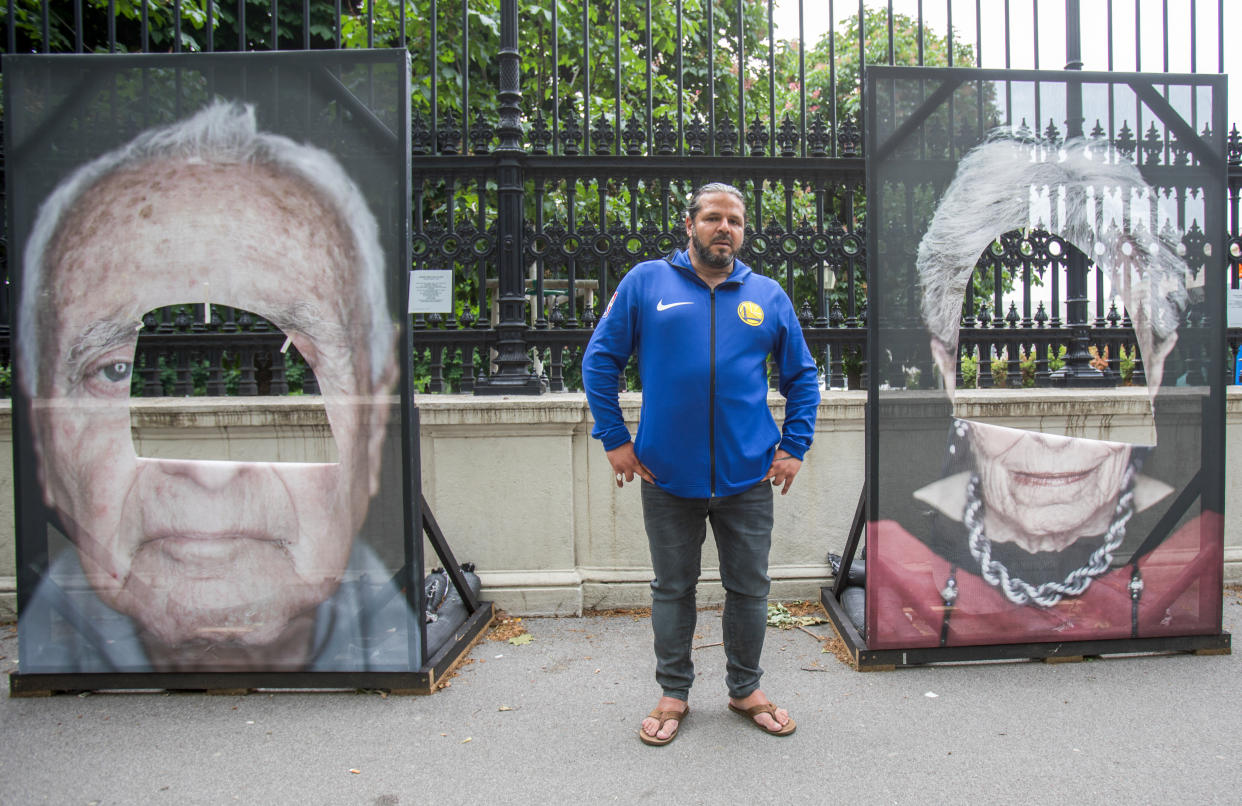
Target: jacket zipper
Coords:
[[711, 398]]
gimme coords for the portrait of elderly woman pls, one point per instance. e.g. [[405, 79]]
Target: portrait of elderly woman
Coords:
[[1031, 536]]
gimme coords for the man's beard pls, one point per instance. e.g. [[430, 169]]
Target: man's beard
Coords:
[[704, 253]]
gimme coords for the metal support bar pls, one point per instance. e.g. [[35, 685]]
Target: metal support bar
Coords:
[[851, 543], [916, 119], [445, 554]]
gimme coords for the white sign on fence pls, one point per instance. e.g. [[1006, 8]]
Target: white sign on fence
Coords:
[[431, 291]]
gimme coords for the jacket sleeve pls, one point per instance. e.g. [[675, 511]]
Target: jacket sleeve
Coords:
[[611, 345], [799, 383]]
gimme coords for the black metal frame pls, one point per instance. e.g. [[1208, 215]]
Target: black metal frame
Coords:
[[32, 517], [876, 660]]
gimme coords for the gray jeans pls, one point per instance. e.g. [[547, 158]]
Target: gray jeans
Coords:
[[676, 529]]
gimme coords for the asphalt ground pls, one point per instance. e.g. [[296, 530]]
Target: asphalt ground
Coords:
[[555, 720]]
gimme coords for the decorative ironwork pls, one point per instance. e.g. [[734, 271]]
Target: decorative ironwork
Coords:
[[481, 134], [835, 317], [787, 137], [1052, 135], [540, 196], [818, 137], [1023, 134], [726, 138], [757, 138], [540, 135], [1181, 154], [696, 136], [420, 135], [603, 136], [1041, 316], [665, 136], [571, 130], [1153, 146], [635, 136], [449, 135], [1125, 142], [849, 138]]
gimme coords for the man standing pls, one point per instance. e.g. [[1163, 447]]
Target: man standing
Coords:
[[703, 325]]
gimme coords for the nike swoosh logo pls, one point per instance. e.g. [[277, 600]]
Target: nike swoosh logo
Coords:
[[660, 306]]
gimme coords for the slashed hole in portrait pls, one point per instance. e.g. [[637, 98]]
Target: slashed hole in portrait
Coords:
[[256, 357]]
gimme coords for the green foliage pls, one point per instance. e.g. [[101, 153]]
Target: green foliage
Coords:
[[1127, 364], [1056, 361], [596, 57], [295, 374], [970, 371], [906, 36], [998, 367], [162, 32]]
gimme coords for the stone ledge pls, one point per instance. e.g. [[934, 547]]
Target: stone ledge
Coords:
[[550, 408], [597, 596], [536, 601], [571, 407]]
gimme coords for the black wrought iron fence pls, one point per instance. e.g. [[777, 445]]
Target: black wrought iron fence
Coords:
[[555, 142]]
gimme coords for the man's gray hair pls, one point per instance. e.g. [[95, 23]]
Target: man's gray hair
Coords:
[[991, 196], [696, 199], [223, 133]]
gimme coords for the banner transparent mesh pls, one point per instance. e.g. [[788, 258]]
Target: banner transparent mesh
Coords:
[[1046, 357], [244, 194]]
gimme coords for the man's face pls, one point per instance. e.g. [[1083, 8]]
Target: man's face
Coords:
[[202, 553], [716, 232], [1044, 491]]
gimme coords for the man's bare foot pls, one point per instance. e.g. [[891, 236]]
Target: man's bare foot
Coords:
[[652, 727], [771, 722]]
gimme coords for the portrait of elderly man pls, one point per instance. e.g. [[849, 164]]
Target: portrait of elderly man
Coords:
[[196, 565], [1028, 536]]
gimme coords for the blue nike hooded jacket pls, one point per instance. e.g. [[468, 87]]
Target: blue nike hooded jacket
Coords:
[[705, 428]]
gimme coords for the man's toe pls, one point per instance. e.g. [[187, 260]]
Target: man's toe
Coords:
[[773, 721]]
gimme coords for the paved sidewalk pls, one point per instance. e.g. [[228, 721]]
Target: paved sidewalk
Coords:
[[554, 721]]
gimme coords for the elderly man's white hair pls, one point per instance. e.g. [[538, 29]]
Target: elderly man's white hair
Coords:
[[223, 133], [990, 196]]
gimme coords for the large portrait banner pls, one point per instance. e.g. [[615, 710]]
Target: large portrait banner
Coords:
[[231, 189], [1045, 467]]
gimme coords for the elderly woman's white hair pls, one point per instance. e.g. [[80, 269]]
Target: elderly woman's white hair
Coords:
[[990, 196], [221, 133]]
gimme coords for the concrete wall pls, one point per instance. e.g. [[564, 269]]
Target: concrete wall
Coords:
[[521, 489]]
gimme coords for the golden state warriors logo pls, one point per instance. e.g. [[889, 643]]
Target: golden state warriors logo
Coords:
[[750, 313]]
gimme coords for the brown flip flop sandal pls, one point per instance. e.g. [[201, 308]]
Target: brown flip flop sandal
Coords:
[[767, 708], [664, 716]]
